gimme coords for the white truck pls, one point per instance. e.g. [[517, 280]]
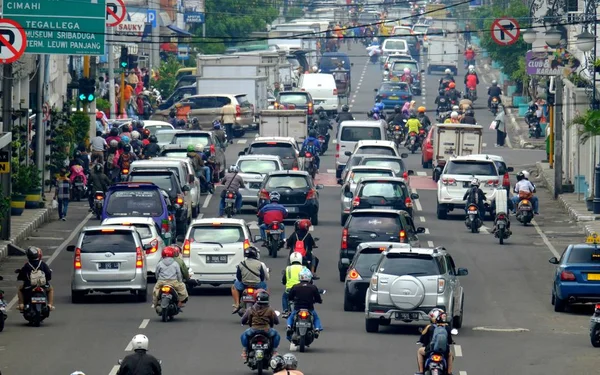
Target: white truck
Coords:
[[283, 123], [450, 140], [442, 54]]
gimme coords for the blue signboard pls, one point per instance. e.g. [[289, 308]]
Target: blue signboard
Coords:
[[151, 17], [475, 3], [194, 17]]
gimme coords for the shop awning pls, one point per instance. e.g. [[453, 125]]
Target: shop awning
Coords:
[[179, 31]]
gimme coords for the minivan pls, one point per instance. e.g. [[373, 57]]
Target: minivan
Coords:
[[394, 45], [323, 90], [349, 133]]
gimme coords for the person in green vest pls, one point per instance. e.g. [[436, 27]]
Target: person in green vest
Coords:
[[291, 277], [185, 272]]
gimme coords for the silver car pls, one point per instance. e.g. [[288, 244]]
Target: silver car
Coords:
[[253, 169], [409, 282], [351, 181], [109, 258], [164, 137]]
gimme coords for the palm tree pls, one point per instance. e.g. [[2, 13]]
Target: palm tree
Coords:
[[588, 126]]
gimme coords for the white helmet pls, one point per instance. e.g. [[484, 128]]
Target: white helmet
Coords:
[[296, 257], [139, 342], [199, 147], [525, 174], [135, 134], [447, 71], [114, 143], [315, 69], [471, 67], [454, 114], [406, 70], [375, 39], [475, 182], [455, 108], [234, 169]]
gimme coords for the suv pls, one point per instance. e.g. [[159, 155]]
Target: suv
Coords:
[[284, 147], [389, 193], [109, 258], [375, 225], [456, 179], [253, 169], [409, 282], [387, 148]]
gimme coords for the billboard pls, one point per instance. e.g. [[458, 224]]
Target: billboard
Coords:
[[193, 11], [551, 63]]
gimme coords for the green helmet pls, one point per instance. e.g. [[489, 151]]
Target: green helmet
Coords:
[[191, 148]]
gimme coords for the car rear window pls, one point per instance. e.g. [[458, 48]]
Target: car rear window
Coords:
[[258, 166], [108, 241], [376, 150], [155, 128], [163, 181], [383, 189], [399, 66], [375, 223], [402, 31], [283, 150], [331, 62], [243, 101], [471, 168], [409, 264], [395, 44], [584, 254], [367, 258], [420, 29], [179, 154], [223, 234], [131, 202], [355, 176], [164, 137], [396, 165], [359, 133], [296, 99], [393, 87], [185, 139], [286, 181]]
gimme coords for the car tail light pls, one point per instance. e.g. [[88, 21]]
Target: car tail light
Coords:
[[501, 217], [312, 194], [436, 358], [238, 111], [164, 226], [597, 307], [139, 260], [171, 218], [441, 285], [307, 155], [246, 244], [374, 282], [264, 194], [250, 291], [396, 127], [38, 289], [124, 171], [154, 244], [337, 150], [179, 200], [356, 202], [492, 183], [354, 275], [166, 289], [403, 97], [295, 166], [422, 131], [402, 235], [303, 314], [567, 276], [449, 181], [213, 150], [77, 259], [405, 175], [344, 244], [383, 95], [408, 203], [506, 180], [187, 245], [309, 110], [335, 92]]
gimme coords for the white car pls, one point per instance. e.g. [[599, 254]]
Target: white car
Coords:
[[368, 147], [155, 126], [149, 233], [253, 169], [456, 179], [164, 137], [213, 248]]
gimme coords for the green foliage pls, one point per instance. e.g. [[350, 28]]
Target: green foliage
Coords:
[[62, 138], [102, 104], [20, 180], [588, 125], [80, 122], [166, 76], [4, 204]]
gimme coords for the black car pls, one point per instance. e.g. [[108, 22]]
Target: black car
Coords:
[[366, 225], [298, 193], [383, 193]]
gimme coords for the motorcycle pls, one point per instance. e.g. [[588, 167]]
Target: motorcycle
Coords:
[[303, 328], [524, 211], [398, 134], [247, 300], [274, 242], [501, 231], [535, 130], [168, 306], [374, 58], [36, 304], [323, 143], [595, 327], [259, 351], [98, 204], [494, 105], [422, 135], [78, 188], [3, 307], [473, 220], [124, 173], [436, 363], [309, 163], [471, 94], [229, 203], [412, 142]]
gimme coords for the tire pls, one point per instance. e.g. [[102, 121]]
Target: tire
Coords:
[[259, 367], [457, 321], [342, 275], [164, 315], [594, 337], [560, 305], [77, 297], [314, 219], [343, 219], [142, 295], [348, 306], [273, 249], [1, 322], [302, 344], [501, 236], [474, 228], [442, 214], [372, 325]]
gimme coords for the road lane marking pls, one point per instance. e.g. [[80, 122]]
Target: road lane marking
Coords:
[[334, 141], [545, 239], [462, 373], [114, 370], [46, 238], [207, 201], [60, 248], [457, 351], [422, 173], [331, 171], [430, 244], [422, 218], [129, 347], [144, 323], [426, 231], [484, 145], [242, 141], [200, 216], [485, 230], [494, 329], [417, 202]]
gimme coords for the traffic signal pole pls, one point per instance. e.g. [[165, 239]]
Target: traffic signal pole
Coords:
[[86, 74], [122, 99]]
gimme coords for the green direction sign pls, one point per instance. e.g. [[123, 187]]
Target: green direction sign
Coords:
[[65, 27]]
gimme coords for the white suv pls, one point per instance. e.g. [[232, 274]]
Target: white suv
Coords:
[[456, 179]]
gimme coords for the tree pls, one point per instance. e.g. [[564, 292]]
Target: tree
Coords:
[[167, 73]]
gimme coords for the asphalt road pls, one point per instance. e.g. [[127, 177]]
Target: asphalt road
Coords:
[[509, 324]]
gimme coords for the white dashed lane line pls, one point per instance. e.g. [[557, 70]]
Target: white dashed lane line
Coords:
[[144, 324], [417, 202], [129, 347], [242, 141], [430, 243], [422, 173], [427, 231], [457, 351], [207, 201], [114, 370], [331, 171], [422, 218]]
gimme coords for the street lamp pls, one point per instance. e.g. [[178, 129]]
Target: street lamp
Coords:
[[553, 36], [529, 36], [585, 41]]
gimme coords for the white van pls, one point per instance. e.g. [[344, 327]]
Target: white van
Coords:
[[349, 133], [323, 90], [392, 45]]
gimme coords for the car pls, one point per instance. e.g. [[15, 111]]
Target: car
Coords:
[[164, 137], [299, 194], [382, 193], [150, 235], [393, 94], [375, 147], [206, 139], [253, 169], [107, 259], [296, 100], [154, 126], [577, 275], [394, 162], [286, 148], [456, 179], [358, 277], [354, 175], [352, 132], [409, 282], [375, 225], [394, 45], [390, 59], [213, 248], [396, 71], [323, 89]]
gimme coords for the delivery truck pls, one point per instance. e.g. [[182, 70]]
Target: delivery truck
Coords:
[[442, 54], [283, 123], [451, 140]]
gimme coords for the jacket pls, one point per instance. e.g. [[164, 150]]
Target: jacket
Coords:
[[468, 120], [344, 116], [427, 335], [233, 181], [305, 296], [151, 150], [291, 276], [315, 142], [323, 126], [168, 269], [471, 81], [425, 122], [197, 161], [185, 273], [397, 119], [30, 266], [413, 125], [250, 272], [99, 182], [261, 317], [272, 212], [478, 198], [307, 238], [140, 363], [495, 91], [77, 171]]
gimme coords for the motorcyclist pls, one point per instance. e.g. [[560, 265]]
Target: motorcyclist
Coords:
[[285, 365], [413, 124], [126, 132], [76, 170], [31, 275], [219, 134], [442, 102], [185, 271], [524, 189], [453, 119], [311, 144], [173, 118], [113, 135], [422, 117], [380, 106], [469, 117], [397, 118], [201, 170], [250, 273], [371, 115], [261, 318], [474, 195], [304, 295], [272, 212], [438, 318], [98, 182], [446, 79], [323, 125], [136, 143], [126, 158], [452, 93], [471, 79], [232, 182], [139, 362], [494, 92], [291, 277], [469, 56], [345, 115], [302, 241], [152, 149], [168, 272], [406, 76]]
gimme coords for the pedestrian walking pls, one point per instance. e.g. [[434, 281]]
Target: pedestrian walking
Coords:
[[228, 119], [500, 126], [62, 194]]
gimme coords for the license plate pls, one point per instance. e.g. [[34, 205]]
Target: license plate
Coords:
[[229, 200], [525, 208], [216, 259], [594, 276], [292, 209], [394, 98], [385, 207], [472, 212], [108, 266], [38, 299], [274, 231], [248, 298], [255, 185], [407, 316], [397, 132], [302, 324], [260, 346]]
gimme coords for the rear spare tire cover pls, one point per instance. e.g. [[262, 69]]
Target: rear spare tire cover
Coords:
[[407, 292]]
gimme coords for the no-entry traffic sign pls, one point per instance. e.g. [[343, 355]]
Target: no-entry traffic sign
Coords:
[[115, 12], [12, 41], [505, 31]]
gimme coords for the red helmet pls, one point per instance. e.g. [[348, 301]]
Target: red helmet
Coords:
[[304, 224], [98, 115], [452, 85], [168, 252]]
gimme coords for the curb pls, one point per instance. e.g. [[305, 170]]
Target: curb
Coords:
[[41, 217]]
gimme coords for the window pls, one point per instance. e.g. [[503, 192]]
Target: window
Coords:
[[296, 99], [220, 101], [356, 176], [200, 103], [143, 230], [409, 264], [393, 87], [379, 189], [221, 234], [243, 101], [367, 259], [135, 203], [402, 31], [381, 223], [411, 223], [358, 133], [174, 154], [396, 165], [163, 181], [395, 45], [471, 168], [286, 181], [501, 166], [376, 150], [258, 166], [283, 150], [163, 136], [584, 254], [420, 29], [119, 241], [400, 65], [184, 139], [154, 128], [451, 265]]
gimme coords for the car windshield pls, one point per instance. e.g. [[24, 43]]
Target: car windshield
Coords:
[[155, 128], [283, 150], [367, 259], [178, 154], [294, 182], [409, 264], [108, 241], [258, 166], [395, 44], [393, 87], [376, 150], [355, 176], [471, 168], [296, 99], [396, 165], [132, 202], [382, 189], [399, 66], [584, 254], [224, 234], [420, 29], [358, 133], [402, 31], [164, 136], [375, 223], [184, 139], [163, 181]]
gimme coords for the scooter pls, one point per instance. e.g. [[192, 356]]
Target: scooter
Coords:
[[168, 305], [303, 332], [595, 327], [309, 162], [501, 227], [78, 188], [473, 220], [3, 307], [412, 142], [535, 130], [524, 211], [274, 242], [247, 300], [230, 197], [398, 134], [260, 351], [98, 204], [436, 363], [471, 94], [494, 105], [36, 304]]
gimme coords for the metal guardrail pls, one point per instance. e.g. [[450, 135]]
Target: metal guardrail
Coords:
[[5, 139]]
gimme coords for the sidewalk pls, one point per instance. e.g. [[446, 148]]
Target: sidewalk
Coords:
[[575, 207]]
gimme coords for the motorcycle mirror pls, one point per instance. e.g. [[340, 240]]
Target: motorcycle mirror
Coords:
[[120, 361], [17, 270], [454, 332], [278, 313]]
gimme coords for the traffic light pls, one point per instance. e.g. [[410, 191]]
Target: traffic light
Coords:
[[87, 90], [124, 60]]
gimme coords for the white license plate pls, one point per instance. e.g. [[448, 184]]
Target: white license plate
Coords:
[[229, 200], [302, 323], [258, 346], [397, 132], [473, 212], [407, 316], [292, 209], [38, 299], [248, 299], [109, 266], [385, 207], [216, 259], [274, 231], [525, 208]]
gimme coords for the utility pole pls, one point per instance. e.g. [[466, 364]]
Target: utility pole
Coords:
[[92, 105], [111, 73], [5, 150], [155, 44], [40, 132], [86, 74], [558, 138]]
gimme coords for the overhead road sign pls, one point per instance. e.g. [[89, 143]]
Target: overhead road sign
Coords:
[[13, 41], [115, 12], [74, 27], [505, 31]]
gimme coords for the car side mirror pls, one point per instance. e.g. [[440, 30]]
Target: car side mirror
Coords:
[[420, 230], [319, 186], [71, 248], [186, 188], [348, 153], [348, 194], [376, 90], [553, 260], [241, 153], [510, 169], [410, 172], [414, 196], [147, 247], [404, 155], [462, 272], [257, 238], [340, 181]]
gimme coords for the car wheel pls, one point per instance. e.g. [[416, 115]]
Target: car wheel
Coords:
[[372, 325], [343, 219], [314, 219], [457, 321], [77, 296], [442, 213], [142, 295], [342, 275], [560, 305], [195, 211], [348, 306]]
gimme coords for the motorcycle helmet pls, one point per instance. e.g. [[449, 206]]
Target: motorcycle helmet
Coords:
[[199, 147], [455, 108], [125, 139], [262, 298], [520, 176], [305, 275], [475, 182], [406, 71], [312, 133], [78, 373], [99, 115], [168, 252], [195, 122], [176, 250], [153, 139], [397, 109], [421, 109], [376, 110], [291, 363], [454, 115], [434, 313], [320, 109], [525, 174], [139, 342], [33, 253], [127, 148], [135, 134], [295, 257], [234, 169], [345, 108], [471, 67], [447, 71], [277, 363], [303, 224], [533, 107], [181, 123], [251, 252], [370, 114], [412, 114], [114, 143], [322, 115], [452, 85], [98, 168], [315, 69], [494, 83], [191, 148], [216, 125], [146, 133], [114, 132], [274, 196], [442, 92]]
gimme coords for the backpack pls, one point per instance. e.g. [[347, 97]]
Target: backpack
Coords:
[[439, 340], [125, 161], [299, 245], [311, 147], [37, 277]]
